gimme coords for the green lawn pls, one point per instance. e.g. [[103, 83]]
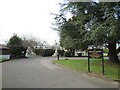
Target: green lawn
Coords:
[[3, 60], [111, 70]]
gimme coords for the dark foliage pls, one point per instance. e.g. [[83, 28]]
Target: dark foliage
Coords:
[[44, 52], [61, 52], [67, 54], [16, 47], [17, 52]]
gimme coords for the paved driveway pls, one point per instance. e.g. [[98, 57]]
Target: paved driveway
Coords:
[[0, 76], [39, 72]]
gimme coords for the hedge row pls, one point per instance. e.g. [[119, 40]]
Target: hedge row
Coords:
[[47, 52], [50, 52]]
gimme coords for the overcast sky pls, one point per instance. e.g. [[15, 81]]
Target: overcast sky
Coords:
[[28, 17]]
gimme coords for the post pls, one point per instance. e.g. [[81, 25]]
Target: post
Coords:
[[103, 66], [88, 64], [103, 71], [58, 56]]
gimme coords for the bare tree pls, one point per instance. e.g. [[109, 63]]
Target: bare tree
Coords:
[[33, 43]]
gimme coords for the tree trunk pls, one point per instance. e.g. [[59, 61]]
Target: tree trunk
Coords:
[[72, 51], [24, 52], [112, 53]]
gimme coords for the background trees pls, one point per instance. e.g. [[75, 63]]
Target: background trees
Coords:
[[18, 46], [91, 24]]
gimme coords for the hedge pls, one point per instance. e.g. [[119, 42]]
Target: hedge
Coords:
[[44, 52], [47, 52], [67, 54], [61, 52]]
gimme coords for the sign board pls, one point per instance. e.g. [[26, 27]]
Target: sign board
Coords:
[[95, 53]]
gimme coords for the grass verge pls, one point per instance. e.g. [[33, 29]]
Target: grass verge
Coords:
[[111, 69], [2, 60]]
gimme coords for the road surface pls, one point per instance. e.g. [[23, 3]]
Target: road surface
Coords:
[[40, 72]]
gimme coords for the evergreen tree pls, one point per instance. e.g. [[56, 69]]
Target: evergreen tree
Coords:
[[92, 24], [16, 47]]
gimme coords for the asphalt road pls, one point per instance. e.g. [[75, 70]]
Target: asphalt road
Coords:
[[39, 72], [0, 76]]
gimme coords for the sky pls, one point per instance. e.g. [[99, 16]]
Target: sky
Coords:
[[28, 17]]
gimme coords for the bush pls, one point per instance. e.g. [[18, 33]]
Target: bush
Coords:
[[61, 52], [47, 52], [67, 54], [37, 51], [16, 52], [79, 54], [44, 52]]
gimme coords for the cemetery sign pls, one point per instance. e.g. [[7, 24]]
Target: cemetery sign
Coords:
[[95, 54]]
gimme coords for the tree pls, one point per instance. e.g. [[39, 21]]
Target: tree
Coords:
[[15, 46], [98, 23], [32, 43], [72, 34], [105, 29]]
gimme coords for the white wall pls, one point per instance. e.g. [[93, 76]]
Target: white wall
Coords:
[[4, 56]]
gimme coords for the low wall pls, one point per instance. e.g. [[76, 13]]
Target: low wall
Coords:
[[4, 56]]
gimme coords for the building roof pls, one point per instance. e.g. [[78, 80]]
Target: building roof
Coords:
[[3, 47]]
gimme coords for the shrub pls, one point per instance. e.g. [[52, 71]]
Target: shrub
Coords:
[[79, 54], [61, 52], [37, 51], [67, 54], [44, 52], [16, 52], [47, 52]]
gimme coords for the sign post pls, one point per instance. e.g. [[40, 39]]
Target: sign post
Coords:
[[88, 64], [103, 71], [95, 54], [58, 56]]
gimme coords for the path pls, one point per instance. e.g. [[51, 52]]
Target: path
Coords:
[[39, 72]]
